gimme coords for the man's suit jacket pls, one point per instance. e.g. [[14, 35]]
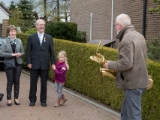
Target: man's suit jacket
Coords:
[[6, 49], [40, 55]]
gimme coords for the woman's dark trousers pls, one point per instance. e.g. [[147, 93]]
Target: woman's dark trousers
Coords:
[[13, 78]]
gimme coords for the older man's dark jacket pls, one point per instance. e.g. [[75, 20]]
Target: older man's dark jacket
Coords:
[[40, 55]]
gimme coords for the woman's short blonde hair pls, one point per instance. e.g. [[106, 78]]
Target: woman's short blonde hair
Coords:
[[11, 27]]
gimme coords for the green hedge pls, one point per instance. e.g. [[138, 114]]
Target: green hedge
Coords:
[[84, 77], [24, 38]]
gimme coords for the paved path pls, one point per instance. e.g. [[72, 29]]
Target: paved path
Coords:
[[78, 107]]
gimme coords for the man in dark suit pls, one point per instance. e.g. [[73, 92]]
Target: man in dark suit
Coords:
[[39, 53]]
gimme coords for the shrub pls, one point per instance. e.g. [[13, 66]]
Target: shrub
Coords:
[[31, 31], [62, 30], [81, 37], [154, 49]]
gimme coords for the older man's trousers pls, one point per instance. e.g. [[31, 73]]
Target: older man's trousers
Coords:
[[131, 107]]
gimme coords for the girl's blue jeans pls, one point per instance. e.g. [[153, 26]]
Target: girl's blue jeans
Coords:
[[59, 87]]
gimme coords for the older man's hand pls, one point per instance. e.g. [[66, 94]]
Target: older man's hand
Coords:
[[29, 66], [106, 65], [53, 66]]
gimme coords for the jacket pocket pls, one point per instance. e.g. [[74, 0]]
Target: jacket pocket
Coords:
[[122, 76]]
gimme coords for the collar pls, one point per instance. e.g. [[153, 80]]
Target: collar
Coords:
[[124, 31], [12, 39], [40, 33], [59, 62]]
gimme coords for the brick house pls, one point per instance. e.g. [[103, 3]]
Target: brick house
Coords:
[[4, 17], [94, 17]]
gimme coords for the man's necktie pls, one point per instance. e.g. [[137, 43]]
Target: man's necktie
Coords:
[[40, 38]]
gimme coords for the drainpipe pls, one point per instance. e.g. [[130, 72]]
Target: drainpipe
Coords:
[[112, 15], [91, 27], [144, 17]]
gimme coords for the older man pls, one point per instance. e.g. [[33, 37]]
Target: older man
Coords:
[[131, 70], [39, 52]]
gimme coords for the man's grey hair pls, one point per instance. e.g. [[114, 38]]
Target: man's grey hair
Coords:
[[123, 19], [38, 21]]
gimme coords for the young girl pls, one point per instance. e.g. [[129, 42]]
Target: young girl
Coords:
[[60, 76]]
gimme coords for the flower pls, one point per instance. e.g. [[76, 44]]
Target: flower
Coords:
[[44, 39]]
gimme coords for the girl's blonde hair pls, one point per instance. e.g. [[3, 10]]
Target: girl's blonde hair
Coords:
[[65, 55]]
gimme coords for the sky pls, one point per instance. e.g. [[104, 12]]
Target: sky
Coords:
[[7, 2]]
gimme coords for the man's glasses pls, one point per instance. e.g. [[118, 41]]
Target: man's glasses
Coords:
[[115, 24], [40, 24]]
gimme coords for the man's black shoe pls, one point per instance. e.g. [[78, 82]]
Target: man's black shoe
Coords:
[[31, 104], [1, 96], [44, 104]]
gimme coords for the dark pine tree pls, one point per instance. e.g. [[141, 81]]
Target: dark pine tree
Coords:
[[12, 6], [27, 14]]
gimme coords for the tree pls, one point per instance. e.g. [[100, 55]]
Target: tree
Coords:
[[1, 2], [26, 7], [40, 11], [58, 16], [27, 18], [66, 8], [157, 8], [16, 18], [52, 10], [16, 15], [45, 7], [12, 6], [62, 11]]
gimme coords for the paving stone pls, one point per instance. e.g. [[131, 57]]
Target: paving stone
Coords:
[[74, 109]]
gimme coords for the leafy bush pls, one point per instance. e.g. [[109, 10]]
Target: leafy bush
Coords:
[[62, 30], [31, 31], [154, 49], [81, 37]]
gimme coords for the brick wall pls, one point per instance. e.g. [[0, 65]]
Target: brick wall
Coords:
[[152, 23], [101, 9], [80, 13], [134, 8], [4, 27]]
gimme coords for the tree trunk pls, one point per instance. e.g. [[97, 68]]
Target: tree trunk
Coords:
[[45, 7], [58, 17]]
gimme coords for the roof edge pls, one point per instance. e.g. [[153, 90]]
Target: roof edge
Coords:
[[6, 10]]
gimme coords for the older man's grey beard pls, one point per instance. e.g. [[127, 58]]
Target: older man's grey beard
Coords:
[[117, 31]]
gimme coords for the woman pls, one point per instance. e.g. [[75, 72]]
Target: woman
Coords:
[[12, 49]]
